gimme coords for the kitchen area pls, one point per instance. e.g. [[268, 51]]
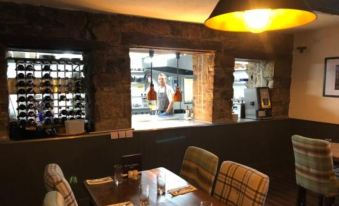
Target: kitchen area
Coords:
[[177, 67]]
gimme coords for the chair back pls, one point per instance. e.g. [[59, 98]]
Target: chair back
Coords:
[[54, 198], [55, 180], [199, 167], [240, 185], [314, 165]]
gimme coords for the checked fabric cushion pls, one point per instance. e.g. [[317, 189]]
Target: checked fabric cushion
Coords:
[[314, 165], [239, 185], [199, 167], [55, 180]]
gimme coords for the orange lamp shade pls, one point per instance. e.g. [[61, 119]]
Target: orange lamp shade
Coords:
[[259, 15], [151, 95], [177, 97]]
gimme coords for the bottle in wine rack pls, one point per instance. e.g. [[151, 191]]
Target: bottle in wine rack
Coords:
[[22, 114], [21, 99], [29, 67], [30, 99], [20, 67], [21, 83], [22, 107], [46, 68]]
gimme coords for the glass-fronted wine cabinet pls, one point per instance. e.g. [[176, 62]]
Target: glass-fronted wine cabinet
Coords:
[[45, 89]]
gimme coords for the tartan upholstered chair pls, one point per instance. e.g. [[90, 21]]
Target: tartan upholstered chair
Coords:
[[199, 167], [314, 169], [54, 198], [55, 180], [239, 185]]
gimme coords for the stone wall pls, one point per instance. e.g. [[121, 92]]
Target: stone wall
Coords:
[[4, 117], [106, 39]]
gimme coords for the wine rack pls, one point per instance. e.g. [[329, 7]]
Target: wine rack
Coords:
[[49, 91]]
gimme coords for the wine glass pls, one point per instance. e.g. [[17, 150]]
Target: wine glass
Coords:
[[144, 195], [161, 183]]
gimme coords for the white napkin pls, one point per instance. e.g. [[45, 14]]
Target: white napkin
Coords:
[[182, 190], [99, 181], [128, 203]]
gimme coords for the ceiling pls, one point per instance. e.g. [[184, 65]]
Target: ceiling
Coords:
[[195, 11]]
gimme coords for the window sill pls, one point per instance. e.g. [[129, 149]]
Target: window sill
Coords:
[[147, 122]]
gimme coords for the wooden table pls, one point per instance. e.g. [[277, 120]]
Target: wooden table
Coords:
[[335, 151], [109, 193]]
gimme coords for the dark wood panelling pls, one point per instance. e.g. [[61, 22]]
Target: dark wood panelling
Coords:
[[263, 145]]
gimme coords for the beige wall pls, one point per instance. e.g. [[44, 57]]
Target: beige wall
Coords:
[[307, 101]]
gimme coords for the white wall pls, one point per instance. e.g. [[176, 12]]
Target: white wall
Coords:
[[307, 101]]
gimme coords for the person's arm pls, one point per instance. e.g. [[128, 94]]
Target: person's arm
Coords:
[[170, 93]]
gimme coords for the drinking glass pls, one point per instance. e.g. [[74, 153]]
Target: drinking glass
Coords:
[[144, 195], [329, 140], [117, 177], [161, 183], [206, 203]]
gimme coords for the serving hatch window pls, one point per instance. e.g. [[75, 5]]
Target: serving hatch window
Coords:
[[166, 70]]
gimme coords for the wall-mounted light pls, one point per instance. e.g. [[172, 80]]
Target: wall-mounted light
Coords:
[[259, 15]]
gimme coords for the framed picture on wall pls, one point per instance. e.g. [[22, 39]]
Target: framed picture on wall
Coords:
[[331, 77]]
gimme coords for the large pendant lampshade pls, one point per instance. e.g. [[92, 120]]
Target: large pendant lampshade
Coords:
[[151, 95], [177, 97], [259, 15]]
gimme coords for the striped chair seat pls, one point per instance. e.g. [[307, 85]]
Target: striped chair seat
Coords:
[[314, 166], [199, 167], [55, 180], [239, 185]]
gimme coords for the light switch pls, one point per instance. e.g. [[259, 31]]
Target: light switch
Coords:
[[114, 135], [129, 133]]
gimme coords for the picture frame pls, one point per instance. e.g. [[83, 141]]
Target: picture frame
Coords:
[[331, 77]]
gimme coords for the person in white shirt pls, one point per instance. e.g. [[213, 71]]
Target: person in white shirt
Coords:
[[164, 96]]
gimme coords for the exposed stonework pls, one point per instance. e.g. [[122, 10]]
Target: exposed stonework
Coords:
[[203, 71], [4, 118], [222, 87], [107, 39]]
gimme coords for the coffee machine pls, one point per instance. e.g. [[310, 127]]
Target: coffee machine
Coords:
[[257, 103]]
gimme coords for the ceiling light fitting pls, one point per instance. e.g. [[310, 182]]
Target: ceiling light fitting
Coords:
[[151, 94], [177, 97], [259, 15]]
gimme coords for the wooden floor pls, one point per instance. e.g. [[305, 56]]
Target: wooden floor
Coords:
[[283, 190]]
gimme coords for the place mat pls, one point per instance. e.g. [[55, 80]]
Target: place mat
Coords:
[[182, 190], [128, 203], [99, 181]]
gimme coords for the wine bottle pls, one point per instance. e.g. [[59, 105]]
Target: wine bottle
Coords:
[[30, 106], [21, 76], [47, 91], [21, 84], [62, 98], [46, 76], [22, 107], [30, 98], [21, 91], [47, 105], [21, 99], [20, 67], [47, 99], [46, 84], [29, 76], [29, 68], [71, 112], [46, 68], [30, 91], [64, 112], [48, 114], [22, 114], [31, 114]]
